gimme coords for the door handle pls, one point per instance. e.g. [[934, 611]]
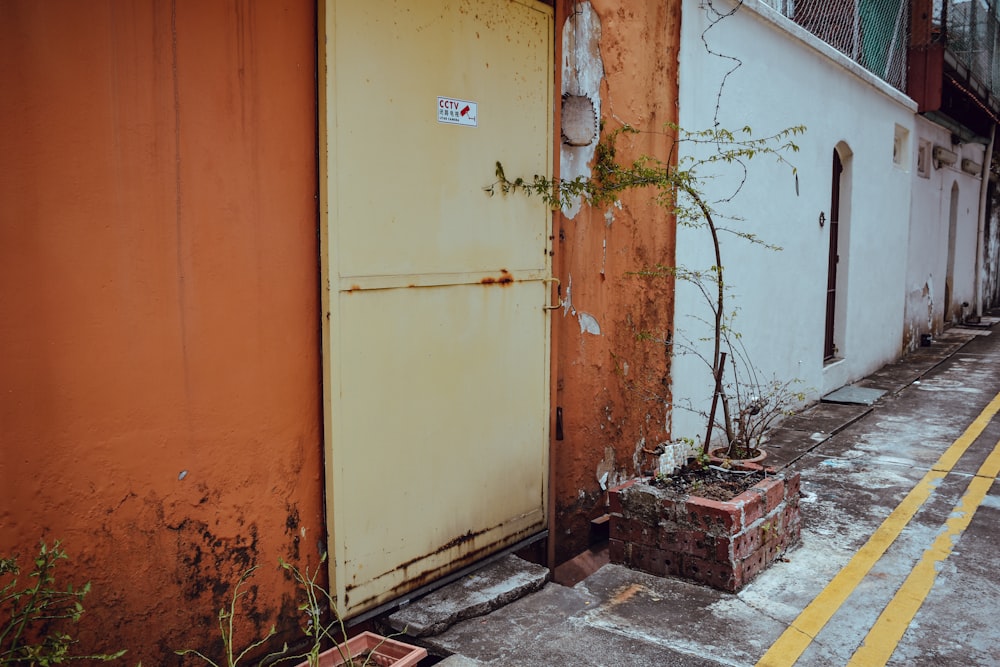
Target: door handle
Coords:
[[558, 287]]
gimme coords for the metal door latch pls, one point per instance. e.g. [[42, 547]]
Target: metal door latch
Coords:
[[558, 291]]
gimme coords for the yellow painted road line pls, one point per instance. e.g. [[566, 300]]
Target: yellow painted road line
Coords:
[[884, 636], [797, 637]]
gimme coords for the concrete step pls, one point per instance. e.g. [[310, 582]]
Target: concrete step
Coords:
[[457, 660], [582, 566], [479, 593]]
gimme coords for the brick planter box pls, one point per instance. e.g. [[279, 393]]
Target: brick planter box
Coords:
[[722, 544]]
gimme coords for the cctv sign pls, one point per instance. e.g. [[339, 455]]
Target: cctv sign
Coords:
[[457, 112]]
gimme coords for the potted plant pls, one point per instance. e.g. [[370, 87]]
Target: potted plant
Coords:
[[368, 649], [364, 650], [746, 432], [744, 406], [322, 627]]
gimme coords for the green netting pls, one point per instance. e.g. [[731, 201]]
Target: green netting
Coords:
[[872, 33]]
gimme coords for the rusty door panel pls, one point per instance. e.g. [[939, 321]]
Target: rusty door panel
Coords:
[[436, 345], [448, 463]]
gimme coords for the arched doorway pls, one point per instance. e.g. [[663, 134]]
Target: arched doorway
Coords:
[[836, 283]]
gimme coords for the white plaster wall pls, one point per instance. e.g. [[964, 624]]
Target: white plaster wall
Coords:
[[928, 244], [789, 78]]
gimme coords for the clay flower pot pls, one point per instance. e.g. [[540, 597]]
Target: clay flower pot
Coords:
[[371, 650], [721, 455]]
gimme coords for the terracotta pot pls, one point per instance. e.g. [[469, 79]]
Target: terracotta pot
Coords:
[[381, 652], [720, 453]]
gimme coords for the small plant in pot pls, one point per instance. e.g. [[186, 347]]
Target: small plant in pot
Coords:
[[744, 405], [324, 626], [325, 641], [746, 430], [744, 409]]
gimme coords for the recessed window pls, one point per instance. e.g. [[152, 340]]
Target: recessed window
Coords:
[[901, 148]]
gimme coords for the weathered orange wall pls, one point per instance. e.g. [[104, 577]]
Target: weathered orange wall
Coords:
[[605, 411], [159, 374]]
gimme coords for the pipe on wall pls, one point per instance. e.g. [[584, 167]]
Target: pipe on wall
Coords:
[[980, 232]]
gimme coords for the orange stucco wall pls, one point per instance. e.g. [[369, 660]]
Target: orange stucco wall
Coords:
[[159, 374], [605, 383]]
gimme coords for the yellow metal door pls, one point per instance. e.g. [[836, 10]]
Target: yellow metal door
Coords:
[[437, 341]]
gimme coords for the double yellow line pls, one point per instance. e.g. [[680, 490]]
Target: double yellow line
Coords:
[[882, 639]]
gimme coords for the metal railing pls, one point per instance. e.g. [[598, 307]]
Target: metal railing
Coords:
[[872, 33], [970, 30]]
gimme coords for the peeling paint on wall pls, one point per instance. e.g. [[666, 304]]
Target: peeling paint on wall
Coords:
[[622, 54], [568, 299], [582, 72], [589, 325], [638, 455], [991, 281], [919, 300], [928, 295], [607, 475]]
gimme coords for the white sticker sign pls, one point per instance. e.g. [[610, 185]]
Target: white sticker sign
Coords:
[[457, 112]]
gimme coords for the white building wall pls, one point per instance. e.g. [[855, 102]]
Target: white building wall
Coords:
[[926, 310], [787, 77]]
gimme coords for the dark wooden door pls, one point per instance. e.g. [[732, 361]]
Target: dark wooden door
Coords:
[[829, 348]]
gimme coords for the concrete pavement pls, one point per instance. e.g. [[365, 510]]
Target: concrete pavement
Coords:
[[897, 564]]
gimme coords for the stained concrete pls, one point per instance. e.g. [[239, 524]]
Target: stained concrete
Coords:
[[826, 418], [808, 430], [853, 475], [593, 623]]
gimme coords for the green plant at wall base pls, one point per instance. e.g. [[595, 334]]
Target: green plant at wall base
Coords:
[[226, 619], [37, 615], [323, 626], [749, 406]]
